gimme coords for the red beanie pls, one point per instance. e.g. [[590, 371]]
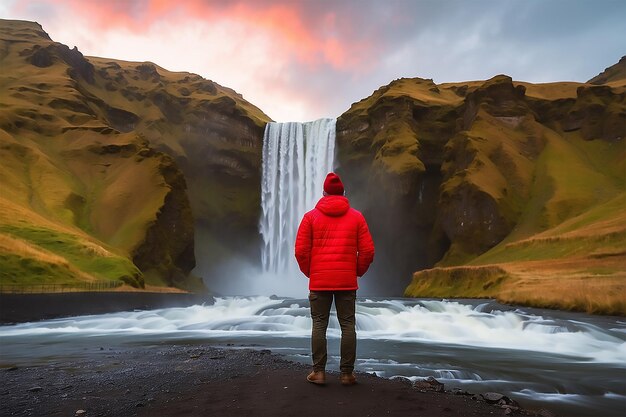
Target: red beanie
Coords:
[[333, 184]]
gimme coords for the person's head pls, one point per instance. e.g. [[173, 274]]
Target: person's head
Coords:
[[333, 185]]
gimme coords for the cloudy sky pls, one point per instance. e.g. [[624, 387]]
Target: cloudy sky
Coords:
[[300, 60]]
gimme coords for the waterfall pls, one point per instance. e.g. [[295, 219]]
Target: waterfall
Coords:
[[296, 159]]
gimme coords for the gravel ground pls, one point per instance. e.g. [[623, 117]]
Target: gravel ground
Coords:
[[209, 381]]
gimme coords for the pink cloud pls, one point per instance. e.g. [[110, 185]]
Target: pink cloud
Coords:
[[312, 39]]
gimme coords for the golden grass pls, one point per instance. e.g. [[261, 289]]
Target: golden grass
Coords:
[[461, 281], [150, 288], [35, 255], [590, 284], [398, 154], [25, 249], [421, 90], [550, 91]]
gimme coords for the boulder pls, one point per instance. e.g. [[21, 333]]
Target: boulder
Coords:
[[429, 384]]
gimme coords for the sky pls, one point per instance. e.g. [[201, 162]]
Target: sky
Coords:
[[300, 60]]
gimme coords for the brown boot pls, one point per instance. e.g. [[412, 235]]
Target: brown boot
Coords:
[[347, 378], [317, 377]]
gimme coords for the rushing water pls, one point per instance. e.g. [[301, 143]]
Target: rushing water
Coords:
[[296, 159], [574, 364]]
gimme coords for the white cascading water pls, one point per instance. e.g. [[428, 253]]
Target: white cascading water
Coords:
[[430, 321], [296, 159]]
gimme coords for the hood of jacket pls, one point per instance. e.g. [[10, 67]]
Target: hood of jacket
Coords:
[[333, 205]]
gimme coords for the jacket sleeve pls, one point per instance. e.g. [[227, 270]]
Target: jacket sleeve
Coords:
[[365, 248], [304, 243]]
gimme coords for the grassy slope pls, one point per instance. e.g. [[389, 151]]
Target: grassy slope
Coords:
[[568, 246], [212, 133], [45, 218], [42, 240], [67, 159], [187, 126], [69, 212]]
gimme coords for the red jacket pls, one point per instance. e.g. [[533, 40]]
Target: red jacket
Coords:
[[334, 245]]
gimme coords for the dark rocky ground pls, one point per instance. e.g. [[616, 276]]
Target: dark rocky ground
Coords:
[[208, 381]]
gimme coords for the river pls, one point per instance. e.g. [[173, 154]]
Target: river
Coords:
[[570, 363]]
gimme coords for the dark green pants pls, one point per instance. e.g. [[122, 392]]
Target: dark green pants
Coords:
[[345, 301]]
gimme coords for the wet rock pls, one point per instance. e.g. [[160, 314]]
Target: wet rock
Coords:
[[429, 384], [507, 402], [458, 391], [402, 379], [35, 389], [80, 412], [492, 397]]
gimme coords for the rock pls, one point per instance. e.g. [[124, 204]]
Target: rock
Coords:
[[80, 412], [402, 379], [545, 413], [492, 397], [457, 391], [507, 402], [173, 253], [35, 389], [429, 384]]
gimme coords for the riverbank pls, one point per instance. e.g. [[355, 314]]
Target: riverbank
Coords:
[[20, 308], [593, 285], [196, 380]]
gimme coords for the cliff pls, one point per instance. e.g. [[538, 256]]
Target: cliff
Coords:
[[113, 169], [493, 174]]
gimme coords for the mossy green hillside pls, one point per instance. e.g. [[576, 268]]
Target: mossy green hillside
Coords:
[[67, 169], [528, 179], [85, 141]]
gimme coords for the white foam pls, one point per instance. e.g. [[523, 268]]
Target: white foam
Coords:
[[431, 322]]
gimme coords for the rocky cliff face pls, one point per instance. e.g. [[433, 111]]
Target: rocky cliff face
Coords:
[[445, 173], [138, 158], [213, 136]]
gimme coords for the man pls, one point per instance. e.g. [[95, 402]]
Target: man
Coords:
[[333, 248]]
